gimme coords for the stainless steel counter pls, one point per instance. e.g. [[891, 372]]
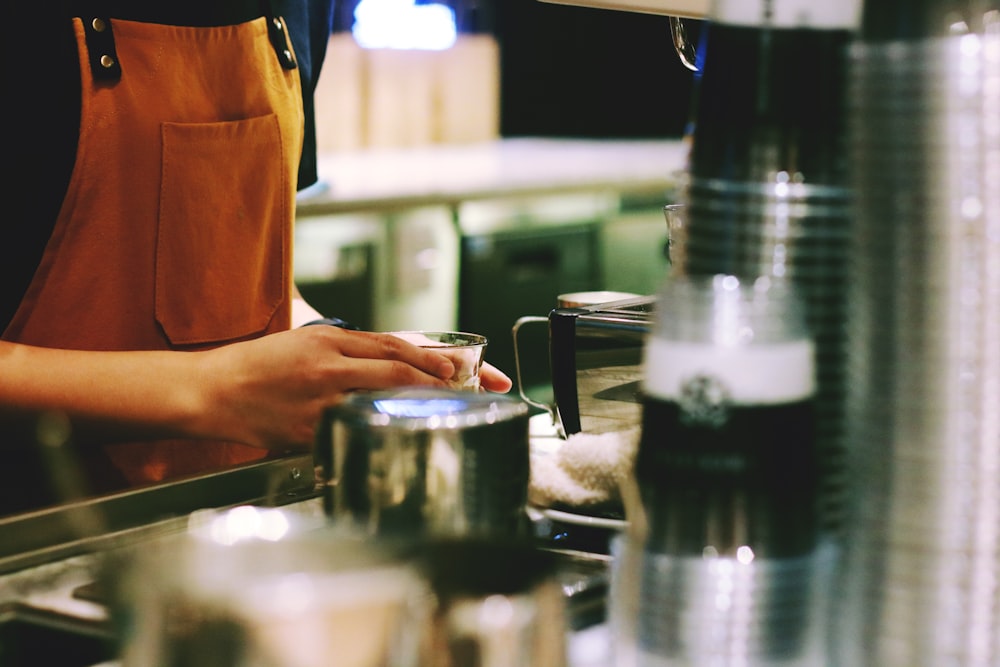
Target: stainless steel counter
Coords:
[[51, 593], [97, 524], [52, 559]]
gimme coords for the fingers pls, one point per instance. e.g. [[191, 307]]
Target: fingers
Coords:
[[353, 374], [388, 358], [369, 360]]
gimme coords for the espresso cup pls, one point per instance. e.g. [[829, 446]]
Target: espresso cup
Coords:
[[466, 350]]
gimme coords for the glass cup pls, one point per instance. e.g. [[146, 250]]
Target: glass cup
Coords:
[[466, 350]]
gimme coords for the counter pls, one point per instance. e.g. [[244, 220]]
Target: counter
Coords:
[[373, 180], [49, 586], [54, 595]]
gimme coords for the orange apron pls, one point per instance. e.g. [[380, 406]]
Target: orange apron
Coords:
[[175, 232]]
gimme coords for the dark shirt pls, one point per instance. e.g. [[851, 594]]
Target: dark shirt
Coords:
[[42, 100]]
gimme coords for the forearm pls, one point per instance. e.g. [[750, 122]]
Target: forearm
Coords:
[[128, 394], [267, 392]]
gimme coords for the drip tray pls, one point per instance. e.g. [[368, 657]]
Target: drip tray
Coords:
[[33, 636]]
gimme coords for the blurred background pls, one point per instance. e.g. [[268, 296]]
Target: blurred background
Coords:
[[577, 71], [478, 158], [561, 71]]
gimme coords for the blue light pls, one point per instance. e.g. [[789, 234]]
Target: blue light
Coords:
[[402, 407]]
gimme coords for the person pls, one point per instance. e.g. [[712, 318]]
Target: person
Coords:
[[149, 300]]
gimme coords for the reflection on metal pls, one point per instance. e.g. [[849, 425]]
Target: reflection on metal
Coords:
[[686, 51], [66, 530]]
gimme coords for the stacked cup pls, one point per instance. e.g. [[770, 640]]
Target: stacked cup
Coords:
[[724, 561], [798, 232], [923, 586], [768, 190]]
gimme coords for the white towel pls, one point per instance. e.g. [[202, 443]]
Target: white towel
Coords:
[[584, 472]]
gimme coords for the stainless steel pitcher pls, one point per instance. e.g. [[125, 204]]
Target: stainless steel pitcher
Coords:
[[422, 462]]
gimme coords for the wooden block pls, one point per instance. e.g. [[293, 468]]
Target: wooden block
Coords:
[[340, 97], [468, 91], [400, 98]]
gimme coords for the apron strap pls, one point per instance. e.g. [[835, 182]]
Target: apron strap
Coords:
[[104, 65], [101, 51], [277, 31]]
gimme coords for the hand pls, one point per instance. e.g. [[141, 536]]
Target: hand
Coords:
[[272, 391]]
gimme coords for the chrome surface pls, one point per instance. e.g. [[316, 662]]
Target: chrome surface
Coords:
[[923, 584], [94, 524], [423, 462]]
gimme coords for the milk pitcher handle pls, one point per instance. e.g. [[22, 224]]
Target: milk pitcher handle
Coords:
[[517, 364]]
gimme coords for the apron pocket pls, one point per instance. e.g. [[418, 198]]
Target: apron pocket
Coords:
[[221, 252]]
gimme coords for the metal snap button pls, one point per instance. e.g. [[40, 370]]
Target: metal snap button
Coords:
[[107, 62], [98, 25]]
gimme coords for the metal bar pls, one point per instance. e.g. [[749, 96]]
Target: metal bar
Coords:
[[70, 529]]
